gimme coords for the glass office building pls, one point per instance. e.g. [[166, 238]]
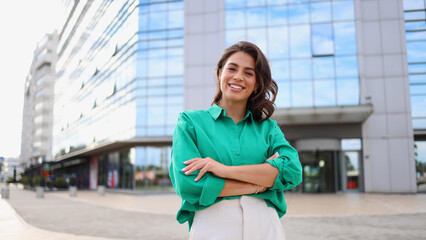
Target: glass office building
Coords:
[[415, 27], [127, 68], [119, 90]]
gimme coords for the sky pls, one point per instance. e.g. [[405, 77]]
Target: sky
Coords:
[[22, 24]]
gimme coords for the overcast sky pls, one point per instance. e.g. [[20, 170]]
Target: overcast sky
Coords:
[[22, 25]]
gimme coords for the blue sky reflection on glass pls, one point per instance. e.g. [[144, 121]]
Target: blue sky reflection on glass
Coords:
[[414, 4], [277, 15], [300, 41], [347, 91], [280, 70], [323, 67], [344, 38], [256, 17], [301, 94], [320, 12], [283, 97], [301, 69], [278, 43], [235, 19], [298, 13], [413, 53], [343, 10], [322, 39], [325, 92]]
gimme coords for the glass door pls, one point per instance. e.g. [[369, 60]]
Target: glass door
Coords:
[[352, 160], [319, 173]]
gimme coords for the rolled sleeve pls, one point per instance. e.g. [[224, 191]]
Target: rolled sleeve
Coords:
[[203, 192], [288, 164]]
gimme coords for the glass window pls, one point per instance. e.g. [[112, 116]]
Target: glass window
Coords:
[[419, 123], [351, 144], [301, 69], [418, 25], [418, 15], [347, 92], [256, 3], [418, 89], [235, 19], [346, 67], [414, 4], [175, 19], [229, 4], [322, 39], [277, 42], [298, 13], [175, 66], [343, 10], [323, 67], [143, 21], [415, 36], [156, 67], [256, 17], [417, 68], [172, 114], [277, 15], [233, 36], [321, 12], [283, 96], [418, 106], [344, 38], [300, 44], [413, 53], [325, 92], [280, 70], [176, 5], [157, 7], [301, 94], [420, 78], [174, 81], [157, 20], [258, 37]]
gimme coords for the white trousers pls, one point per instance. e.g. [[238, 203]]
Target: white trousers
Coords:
[[247, 218]]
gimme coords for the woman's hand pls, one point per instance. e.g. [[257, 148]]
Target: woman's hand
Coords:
[[205, 165], [275, 156]]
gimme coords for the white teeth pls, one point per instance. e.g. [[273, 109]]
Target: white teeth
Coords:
[[235, 86]]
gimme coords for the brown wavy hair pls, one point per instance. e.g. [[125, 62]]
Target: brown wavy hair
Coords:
[[261, 102]]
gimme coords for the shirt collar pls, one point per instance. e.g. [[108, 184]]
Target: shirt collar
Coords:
[[216, 111]]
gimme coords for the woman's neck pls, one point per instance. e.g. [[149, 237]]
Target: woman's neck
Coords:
[[236, 111]]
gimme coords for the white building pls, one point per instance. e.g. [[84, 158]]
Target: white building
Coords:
[[38, 104]]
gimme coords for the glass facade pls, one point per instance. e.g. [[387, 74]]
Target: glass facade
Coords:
[[311, 46], [123, 72], [120, 76], [415, 27]]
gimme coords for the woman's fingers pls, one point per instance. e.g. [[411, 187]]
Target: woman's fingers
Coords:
[[276, 155]]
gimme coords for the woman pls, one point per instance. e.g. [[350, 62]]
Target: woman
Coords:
[[231, 163]]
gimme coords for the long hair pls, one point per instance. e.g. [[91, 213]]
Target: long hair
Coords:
[[261, 102]]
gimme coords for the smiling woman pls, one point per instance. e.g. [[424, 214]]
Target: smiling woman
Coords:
[[231, 163]]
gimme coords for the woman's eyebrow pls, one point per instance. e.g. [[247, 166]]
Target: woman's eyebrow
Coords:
[[236, 65]]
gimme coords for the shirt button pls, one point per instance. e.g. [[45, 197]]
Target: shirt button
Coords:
[[237, 153]]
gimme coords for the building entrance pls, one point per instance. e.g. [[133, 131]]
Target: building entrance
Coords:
[[319, 171]]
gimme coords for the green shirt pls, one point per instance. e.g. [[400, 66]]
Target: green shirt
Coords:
[[210, 133]]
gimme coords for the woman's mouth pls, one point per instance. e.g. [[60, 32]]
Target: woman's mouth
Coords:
[[236, 87]]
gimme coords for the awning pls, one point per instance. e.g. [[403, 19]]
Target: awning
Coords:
[[323, 115], [116, 145]]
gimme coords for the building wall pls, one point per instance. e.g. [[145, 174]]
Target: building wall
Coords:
[[204, 43], [38, 103], [387, 134]]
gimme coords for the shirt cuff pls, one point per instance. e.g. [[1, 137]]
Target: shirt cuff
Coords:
[[279, 183], [211, 190]]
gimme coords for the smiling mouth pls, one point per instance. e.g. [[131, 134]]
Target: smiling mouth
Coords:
[[236, 87]]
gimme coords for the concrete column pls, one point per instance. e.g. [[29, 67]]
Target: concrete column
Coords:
[[387, 134], [204, 43]]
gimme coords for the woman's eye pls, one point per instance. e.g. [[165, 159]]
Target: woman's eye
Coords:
[[231, 69], [249, 73]]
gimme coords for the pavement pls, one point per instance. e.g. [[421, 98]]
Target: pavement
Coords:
[[121, 215]]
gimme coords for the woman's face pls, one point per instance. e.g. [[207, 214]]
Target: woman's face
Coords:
[[238, 78]]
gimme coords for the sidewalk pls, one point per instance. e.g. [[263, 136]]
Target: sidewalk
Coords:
[[132, 216]]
